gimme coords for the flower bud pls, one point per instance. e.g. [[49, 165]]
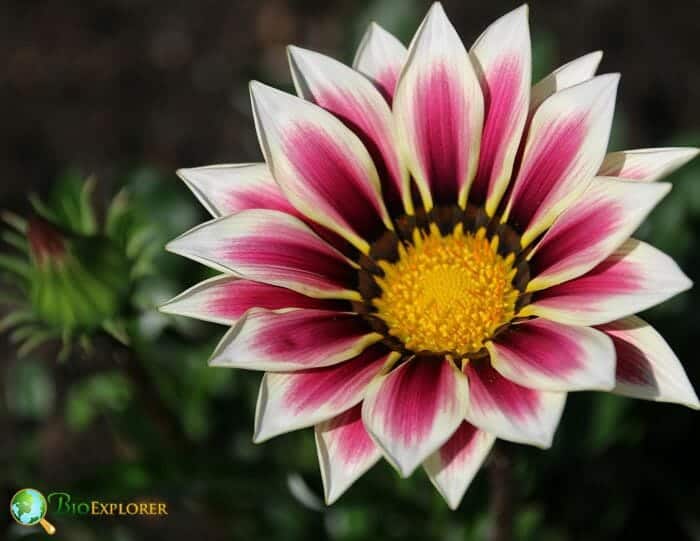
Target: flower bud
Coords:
[[77, 282]]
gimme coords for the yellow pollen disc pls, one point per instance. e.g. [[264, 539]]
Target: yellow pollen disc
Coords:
[[447, 293]]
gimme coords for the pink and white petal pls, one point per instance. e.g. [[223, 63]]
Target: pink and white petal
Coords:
[[293, 340], [565, 146], [270, 247], [229, 188], [502, 58], [647, 368], [635, 277], [550, 356], [411, 411], [439, 112], [647, 164], [510, 411], [345, 452], [572, 73], [380, 57], [452, 467], [321, 166], [352, 98], [225, 299], [291, 400], [608, 212]]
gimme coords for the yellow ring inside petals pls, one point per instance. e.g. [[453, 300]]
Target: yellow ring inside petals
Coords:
[[447, 293]]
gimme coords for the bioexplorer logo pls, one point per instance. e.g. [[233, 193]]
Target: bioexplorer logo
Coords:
[[62, 503], [29, 507]]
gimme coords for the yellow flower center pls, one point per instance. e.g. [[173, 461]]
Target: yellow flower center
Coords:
[[447, 293]]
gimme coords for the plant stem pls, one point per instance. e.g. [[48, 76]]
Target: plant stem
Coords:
[[500, 470]]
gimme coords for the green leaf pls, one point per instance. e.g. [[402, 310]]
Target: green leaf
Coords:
[[15, 265], [18, 241], [102, 393], [30, 389], [15, 318], [15, 221], [22, 333], [117, 330], [37, 339], [41, 208]]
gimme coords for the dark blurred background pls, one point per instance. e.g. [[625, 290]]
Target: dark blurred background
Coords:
[[130, 90]]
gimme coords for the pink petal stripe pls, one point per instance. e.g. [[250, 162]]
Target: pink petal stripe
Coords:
[[565, 146], [293, 340], [550, 157], [511, 411], [321, 166], [550, 356], [225, 299], [635, 277], [438, 109], [354, 100], [291, 400], [452, 468], [414, 409], [270, 247], [345, 452], [412, 391], [647, 368], [647, 164], [490, 390], [587, 232], [227, 189], [380, 57], [502, 58], [336, 180], [441, 135], [506, 111]]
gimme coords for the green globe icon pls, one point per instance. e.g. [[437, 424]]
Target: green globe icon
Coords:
[[28, 507]]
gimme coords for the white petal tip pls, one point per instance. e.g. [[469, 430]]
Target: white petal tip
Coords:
[[296, 52], [436, 13], [686, 397], [265, 427], [606, 81], [174, 246], [452, 505], [685, 284], [543, 444], [332, 495], [522, 10], [694, 404], [405, 472], [404, 469], [168, 307], [257, 439], [216, 361], [260, 436], [186, 173], [596, 55], [260, 92]]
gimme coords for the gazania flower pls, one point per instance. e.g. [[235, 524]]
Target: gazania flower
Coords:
[[434, 253]]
